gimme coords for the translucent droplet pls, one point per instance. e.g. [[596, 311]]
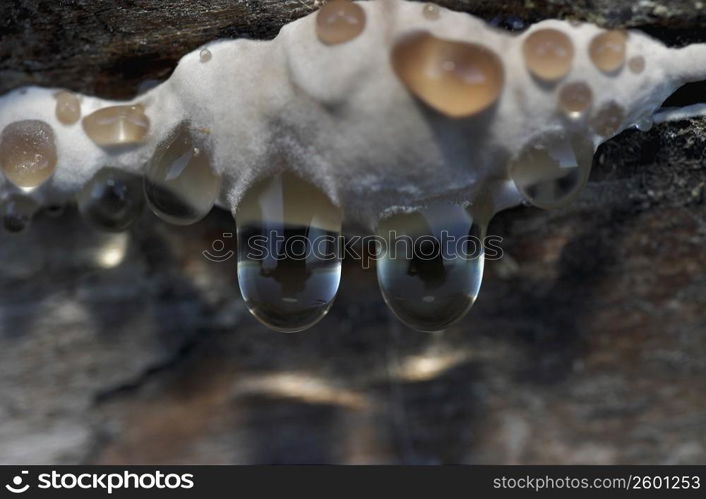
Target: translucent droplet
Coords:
[[431, 11], [551, 173], [645, 123], [431, 269], [339, 21], [68, 107], [289, 262], [607, 50], [548, 54], [17, 212], [117, 125], [205, 55], [458, 79], [180, 183], [112, 199], [575, 99], [28, 152], [608, 119], [636, 64]]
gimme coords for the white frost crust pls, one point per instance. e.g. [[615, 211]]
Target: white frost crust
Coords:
[[339, 116]]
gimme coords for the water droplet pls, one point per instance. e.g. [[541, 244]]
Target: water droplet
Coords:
[[68, 107], [117, 125], [339, 21], [180, 184], [458, 79], [548, 54], [575, 99], [18, 211], [607, 50], [28, 152], [431, 11], [645, 123], [112, 199], [205, 55], [636, 64], [552, 172], [431, 269], [289, 262], [608, 119]]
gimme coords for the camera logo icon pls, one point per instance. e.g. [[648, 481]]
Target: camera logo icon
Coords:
[[16, 486]]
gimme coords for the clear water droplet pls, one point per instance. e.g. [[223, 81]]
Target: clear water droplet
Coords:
[[28, 153], [112, 199], [205, 55], [575, 99], [551, 173], [180, 183], [289, 262], [645, 123], [431, 269], [17, 212]]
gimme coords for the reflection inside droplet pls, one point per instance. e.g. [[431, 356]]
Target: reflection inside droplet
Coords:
[[112, 199]]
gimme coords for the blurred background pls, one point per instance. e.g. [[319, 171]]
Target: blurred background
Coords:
[[587, 343]]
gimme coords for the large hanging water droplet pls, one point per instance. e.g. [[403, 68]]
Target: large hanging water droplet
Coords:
[[431, 268], [289, 262], [28, 152], [551, 173], [180, 183], [112, 199], [17, 212]]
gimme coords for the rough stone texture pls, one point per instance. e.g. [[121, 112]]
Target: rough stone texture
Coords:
[[587, 343]]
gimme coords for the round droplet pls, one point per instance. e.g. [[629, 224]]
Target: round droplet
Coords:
[[457, 79], [289, 262], [607, 50], [636, 64], [575, 99], [548, 53], [68, 108], [645, 123], [608, 119], [431, 265], [17, 212], [339, 21], [551, 173], [180, 183], [112, 199], [205, 55], [28, 152], [117, 125], [431, 11]]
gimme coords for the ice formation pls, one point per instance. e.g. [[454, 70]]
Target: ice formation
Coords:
[[391, 108]]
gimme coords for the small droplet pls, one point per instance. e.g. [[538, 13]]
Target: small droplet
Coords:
[[458, 79], [607, 50], [339, 21], [117, 125], [68, 107], [431, 267], [28, 152], [645, 123], [18, 211], [431, 11], [289, 262], [205, 55], [551, 173], [548, 53], [180, 183], [608, 119], [636, 64], [112, 199], [575, 99]]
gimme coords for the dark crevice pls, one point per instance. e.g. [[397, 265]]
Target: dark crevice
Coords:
[[686, 95]]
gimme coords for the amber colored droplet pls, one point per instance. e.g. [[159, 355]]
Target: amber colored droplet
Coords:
[[607, 50], [458, 79], [431, 11], [68, 107], [117, 125], [575, 99], [548, 54], [636, 64], [339, 21], [205, 55], [28, 152], [608, 119]]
